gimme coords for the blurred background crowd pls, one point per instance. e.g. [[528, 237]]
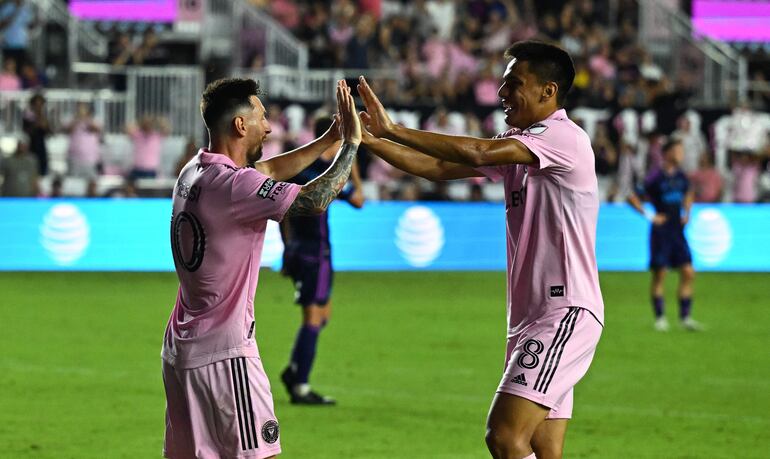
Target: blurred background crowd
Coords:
[[441, 60]]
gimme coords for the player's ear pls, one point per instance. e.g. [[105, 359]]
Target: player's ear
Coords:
[[549, 90], [239, 124]]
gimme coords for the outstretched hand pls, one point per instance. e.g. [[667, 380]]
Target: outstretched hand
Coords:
[[346, 106], [334, 132], [367, 137], [375, 118]]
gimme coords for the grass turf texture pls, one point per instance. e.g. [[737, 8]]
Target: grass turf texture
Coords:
[[413, 358]]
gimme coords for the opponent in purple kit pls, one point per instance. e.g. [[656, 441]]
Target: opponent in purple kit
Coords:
[[307, 260], [218, 399], [670, 194], [555, 307]]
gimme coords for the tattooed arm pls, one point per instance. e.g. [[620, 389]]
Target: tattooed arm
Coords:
[[317, 194]]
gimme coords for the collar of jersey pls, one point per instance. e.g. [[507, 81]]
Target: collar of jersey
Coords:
[[208, 157], [559, 114]]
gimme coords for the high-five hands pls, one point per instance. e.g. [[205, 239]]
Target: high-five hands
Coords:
[[334, 132], [375, 118], [346, 106]]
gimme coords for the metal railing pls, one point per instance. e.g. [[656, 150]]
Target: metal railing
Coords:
[[84, 39], [310, 85], [61, 105], [249, 32], [170, 92], [717, 73]]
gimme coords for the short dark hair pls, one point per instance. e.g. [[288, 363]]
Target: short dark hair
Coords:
[[37, 97], [225, 96], [547, 62], [670, 143]]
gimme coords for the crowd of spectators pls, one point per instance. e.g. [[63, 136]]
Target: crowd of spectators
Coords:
[[448, 57], [18, 20], [86, 152], [450, 52]]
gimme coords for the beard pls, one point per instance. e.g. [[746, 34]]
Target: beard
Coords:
[[254, 155]]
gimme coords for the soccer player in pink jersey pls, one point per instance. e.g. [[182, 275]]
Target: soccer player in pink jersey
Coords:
[[555, 306], [218, 399]]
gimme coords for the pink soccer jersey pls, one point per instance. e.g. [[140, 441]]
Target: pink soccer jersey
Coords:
[[217, 232], [551, 211]]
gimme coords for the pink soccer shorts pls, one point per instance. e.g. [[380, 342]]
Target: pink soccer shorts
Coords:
[[549, 356], [221, 410]]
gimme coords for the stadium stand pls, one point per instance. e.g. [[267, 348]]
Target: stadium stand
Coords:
[[643, 73]]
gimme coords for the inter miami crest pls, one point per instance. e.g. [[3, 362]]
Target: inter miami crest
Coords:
[[536, 129], [270, 431]]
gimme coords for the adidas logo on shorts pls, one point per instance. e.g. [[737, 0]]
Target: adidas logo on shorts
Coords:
[[520, 379]]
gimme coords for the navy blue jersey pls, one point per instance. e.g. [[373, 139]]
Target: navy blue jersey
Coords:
[[309, 235], [667, 194]]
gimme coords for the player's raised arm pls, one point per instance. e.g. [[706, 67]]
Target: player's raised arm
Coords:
[[469, 151], [317, 194], [414, 162], [289, 164], [356, 196]]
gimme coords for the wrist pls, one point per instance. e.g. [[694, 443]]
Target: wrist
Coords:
[[328, 139], [392, 132]]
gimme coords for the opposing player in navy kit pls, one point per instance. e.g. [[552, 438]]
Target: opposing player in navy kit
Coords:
[[307, 260], [669, 192]]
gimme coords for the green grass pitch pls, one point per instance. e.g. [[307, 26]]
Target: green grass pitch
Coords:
[[413, 358]]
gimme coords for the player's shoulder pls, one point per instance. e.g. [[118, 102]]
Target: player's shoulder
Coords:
[[557, 124], [250, 182], [562, 134], [572, 129], [249, 178]]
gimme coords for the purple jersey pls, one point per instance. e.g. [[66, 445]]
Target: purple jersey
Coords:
[[551, 211], [220, 213], [667, 194]]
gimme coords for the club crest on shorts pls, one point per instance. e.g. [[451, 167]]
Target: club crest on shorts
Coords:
[[270, 431]]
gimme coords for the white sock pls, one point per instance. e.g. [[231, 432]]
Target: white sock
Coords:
[[302, 389], [531, 456]]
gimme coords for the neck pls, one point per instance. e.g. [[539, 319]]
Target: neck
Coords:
[[546, 113], [229, 148], [669, 168]]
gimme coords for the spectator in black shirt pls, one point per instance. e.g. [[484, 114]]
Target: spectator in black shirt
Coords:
[[36, 126]]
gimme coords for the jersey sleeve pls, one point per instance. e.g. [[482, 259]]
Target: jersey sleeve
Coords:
[[555, 149], [497, 173], [494, 173], [256, 196]]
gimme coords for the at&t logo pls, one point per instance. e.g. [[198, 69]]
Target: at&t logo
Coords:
[[65, 234], [419, 236]]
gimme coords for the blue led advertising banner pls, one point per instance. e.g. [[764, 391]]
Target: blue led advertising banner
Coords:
[[133, 235]]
